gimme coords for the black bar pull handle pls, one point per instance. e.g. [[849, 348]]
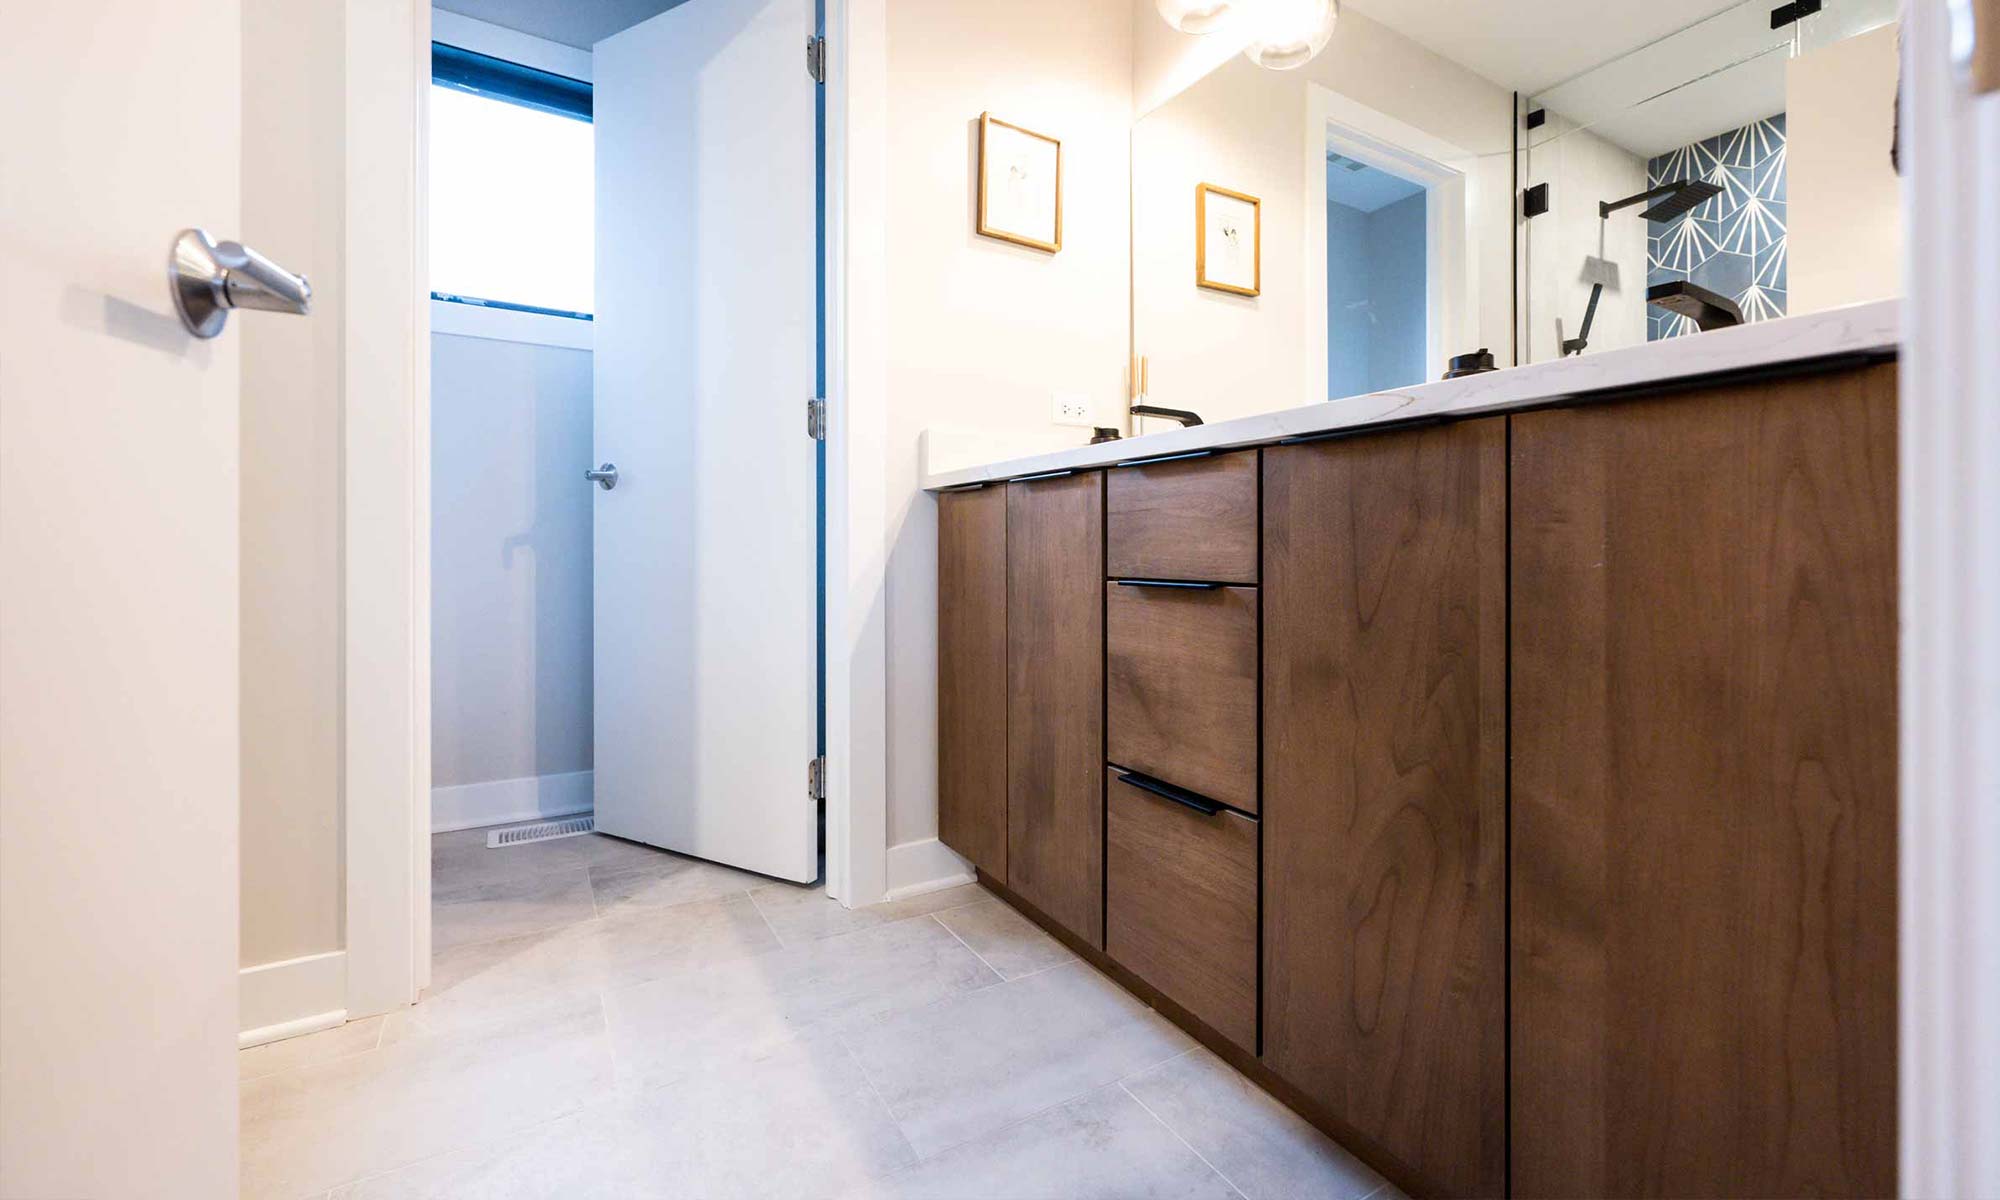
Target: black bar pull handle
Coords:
[[1167, 791], [1044, 475], [1354, 431], [1165, 458], [1185, 585]]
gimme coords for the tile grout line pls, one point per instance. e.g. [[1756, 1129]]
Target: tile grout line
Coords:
[[1183, 1141], [998, 973], [765, 917], [581, 1106], [840, 1037], [1052, 1106]]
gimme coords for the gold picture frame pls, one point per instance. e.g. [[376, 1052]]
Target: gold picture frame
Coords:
[[1229, 274], [1015, 214]]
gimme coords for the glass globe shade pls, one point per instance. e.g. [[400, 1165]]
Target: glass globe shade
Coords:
[[1195, 16], [1288, 33]]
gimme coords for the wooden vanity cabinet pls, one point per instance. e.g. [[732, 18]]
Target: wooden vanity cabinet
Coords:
[[1188, 517], [972, 676], [1524, 813], [1385, 600], [1181, 901], [1055, 699], [1704, 793]]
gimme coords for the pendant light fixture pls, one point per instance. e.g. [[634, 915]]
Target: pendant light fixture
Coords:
[[1195, 16], [1288, 33], [1281, 34]]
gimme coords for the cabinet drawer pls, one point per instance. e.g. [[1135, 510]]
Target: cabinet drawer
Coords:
[[1181, 904], [1182, 687], [1191, 519]]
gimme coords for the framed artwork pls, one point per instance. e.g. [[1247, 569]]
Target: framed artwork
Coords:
[[1228, 240], [1020, 185]]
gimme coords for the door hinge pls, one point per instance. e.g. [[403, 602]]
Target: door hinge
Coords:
[[816, 418], [816, 778], [816, 58], [1535, 200]]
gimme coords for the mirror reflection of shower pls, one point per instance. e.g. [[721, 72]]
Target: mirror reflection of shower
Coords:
[[1708, 309]]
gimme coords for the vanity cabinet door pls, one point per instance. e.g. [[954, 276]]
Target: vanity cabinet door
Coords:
[[1055, 699], [1384, 793], [1704, 793], [972, 676]]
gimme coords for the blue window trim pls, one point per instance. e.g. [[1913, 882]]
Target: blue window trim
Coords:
[[497, 79], [481, 302]]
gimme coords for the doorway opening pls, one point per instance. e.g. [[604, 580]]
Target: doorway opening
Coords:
[[627, 532], [1377, 275]]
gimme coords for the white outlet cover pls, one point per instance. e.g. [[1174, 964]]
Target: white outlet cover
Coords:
[[1072, 409]]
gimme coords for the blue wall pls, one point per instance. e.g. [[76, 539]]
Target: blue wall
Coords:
[[1733, 244], [1377, 305]]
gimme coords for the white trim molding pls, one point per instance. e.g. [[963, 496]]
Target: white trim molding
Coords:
[[289, 998], [856, 299], [505, 801], [924, 866], [385, 701], [1949, 841], [1445, 170], [510, 325]]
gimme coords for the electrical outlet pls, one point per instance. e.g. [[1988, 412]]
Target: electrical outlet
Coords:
[[1072, 410]]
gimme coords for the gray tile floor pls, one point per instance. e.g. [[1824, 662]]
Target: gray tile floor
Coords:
[[605, 1019]]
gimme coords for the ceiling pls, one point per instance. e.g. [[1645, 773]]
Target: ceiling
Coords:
[[1528, 45], [579, 23]]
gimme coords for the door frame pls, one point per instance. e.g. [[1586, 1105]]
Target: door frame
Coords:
[[1445, 170], [386, 503]]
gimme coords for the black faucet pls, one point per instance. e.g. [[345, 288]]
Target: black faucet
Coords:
[[1172, 414]]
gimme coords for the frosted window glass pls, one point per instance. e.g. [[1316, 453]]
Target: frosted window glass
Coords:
[[511, 203]]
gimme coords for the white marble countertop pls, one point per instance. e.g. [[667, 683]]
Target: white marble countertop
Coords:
[[1858, 329]]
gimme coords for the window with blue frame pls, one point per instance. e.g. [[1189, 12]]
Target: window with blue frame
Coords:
[[512, 186]]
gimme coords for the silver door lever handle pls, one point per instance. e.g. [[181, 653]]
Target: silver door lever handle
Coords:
[[209, 278], [605, 476]]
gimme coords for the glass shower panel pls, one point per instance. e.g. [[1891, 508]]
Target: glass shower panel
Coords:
[[1670, 188]]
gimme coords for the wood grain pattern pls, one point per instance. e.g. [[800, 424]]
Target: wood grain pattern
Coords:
[[1181, 688], [1384, 792], [972, 676], [1194, 519], [1055, 698], [1704, 793], [1180, 907]]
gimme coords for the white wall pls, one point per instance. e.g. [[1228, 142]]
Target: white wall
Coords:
[[1844, 241], [291, 525], [1244, 128], [982, 333], [510, 560]]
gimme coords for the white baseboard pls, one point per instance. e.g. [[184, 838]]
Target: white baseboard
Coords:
[[291, 1029], [924, 866], [503, 801], [285, 999]]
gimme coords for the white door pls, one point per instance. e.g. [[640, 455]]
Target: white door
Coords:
[[705, 691], [118, 608]]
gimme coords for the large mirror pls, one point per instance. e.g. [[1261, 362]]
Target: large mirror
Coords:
[[1445, 177]]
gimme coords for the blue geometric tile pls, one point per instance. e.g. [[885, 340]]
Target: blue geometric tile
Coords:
[[1733, 243], [1727, 273]]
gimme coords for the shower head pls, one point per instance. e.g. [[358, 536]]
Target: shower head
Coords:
[[1673, 199]]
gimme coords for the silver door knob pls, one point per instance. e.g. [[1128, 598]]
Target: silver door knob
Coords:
[[605, 476], [209, 278]]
